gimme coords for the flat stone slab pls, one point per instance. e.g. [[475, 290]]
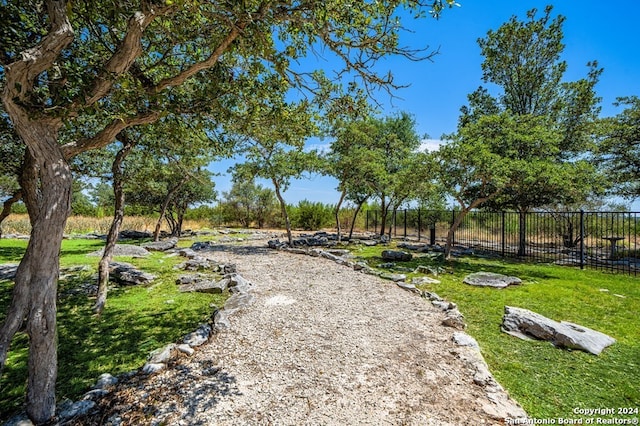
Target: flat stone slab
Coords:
[[124, 250], [525, 324], [490, 279], [396, 256], [164, 245]]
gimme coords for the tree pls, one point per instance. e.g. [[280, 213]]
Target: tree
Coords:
[[247, 202], [619, 148], [553, 118], [115, 65]]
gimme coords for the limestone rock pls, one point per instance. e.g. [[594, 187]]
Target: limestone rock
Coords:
[[408, 286], [70, 410], [490, 279], [124, 250], [105, 380], [463, 339], [396, 256], [8, 271], [393, 277], [126, 273], [199, 336], [424, 280], [453, 318], [150, 368], [161, 245], [524, 324]]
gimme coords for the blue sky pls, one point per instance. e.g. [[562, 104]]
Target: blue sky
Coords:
[[594, 30]]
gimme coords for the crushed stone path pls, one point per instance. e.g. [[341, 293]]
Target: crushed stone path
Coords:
[[321, 344]]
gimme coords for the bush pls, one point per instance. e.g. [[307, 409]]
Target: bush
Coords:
[[311, 216]]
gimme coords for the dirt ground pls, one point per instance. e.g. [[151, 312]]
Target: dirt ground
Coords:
[[321, 344]]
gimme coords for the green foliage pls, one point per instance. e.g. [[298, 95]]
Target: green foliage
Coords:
[[620, 147], [311, 216], [548, 136], [548, 382], [136, 321]]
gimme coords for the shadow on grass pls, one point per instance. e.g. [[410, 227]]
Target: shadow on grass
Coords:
[[11, 254]]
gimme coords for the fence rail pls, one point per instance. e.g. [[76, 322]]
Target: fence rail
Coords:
[[600, 240]]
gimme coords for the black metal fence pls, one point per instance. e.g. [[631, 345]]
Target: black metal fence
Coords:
[[601, 240]]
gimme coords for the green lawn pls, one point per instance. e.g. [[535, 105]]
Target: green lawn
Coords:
[[547, 381], [136, 321]]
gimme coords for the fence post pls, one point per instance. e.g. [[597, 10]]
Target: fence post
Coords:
[[453, 219], [405, 224], [366, 221], [419, 225], [504, 233], [581, 239]]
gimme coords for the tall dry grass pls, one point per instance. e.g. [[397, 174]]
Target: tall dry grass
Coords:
[[19, 224]]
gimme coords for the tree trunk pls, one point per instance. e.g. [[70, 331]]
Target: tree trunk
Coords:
[[383, 214], [6, 207], [522, 233], [285, 215], [46, 185], [458, 220], [337, 215], [114, 230], [355, 215], [165, 205]]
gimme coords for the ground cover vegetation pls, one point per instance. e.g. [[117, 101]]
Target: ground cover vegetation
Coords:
[[139, 320], [548, 382], [77, 77], [141, 96]]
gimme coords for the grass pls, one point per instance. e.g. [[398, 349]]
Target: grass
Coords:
[[549, 382], [137, 320]]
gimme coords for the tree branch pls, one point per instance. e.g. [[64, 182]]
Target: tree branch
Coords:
[[108, 134]]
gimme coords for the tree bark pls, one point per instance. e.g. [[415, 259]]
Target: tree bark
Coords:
[[6, 207], [458, 220], [522, 233], [46, 183], [383, 214], [283, 209], [165, 206], [114, 230], [337, 215], [355, 215]]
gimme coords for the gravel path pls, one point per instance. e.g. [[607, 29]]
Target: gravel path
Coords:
[[321, 344]]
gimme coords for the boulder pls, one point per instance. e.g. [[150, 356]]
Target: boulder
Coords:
[[134, 235], [199, 336], [8, 271], [393, 277], [396, 256], [201, 285], [165, 245], [126, 273], [454, 319], [124, 250], [490, 279], [525, 324]]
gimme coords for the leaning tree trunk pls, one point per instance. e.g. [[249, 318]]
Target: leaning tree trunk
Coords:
[[355, 215], [114, 230], [46, 184], [458, 220], [6, 207], [285, 214], [337, 215]]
